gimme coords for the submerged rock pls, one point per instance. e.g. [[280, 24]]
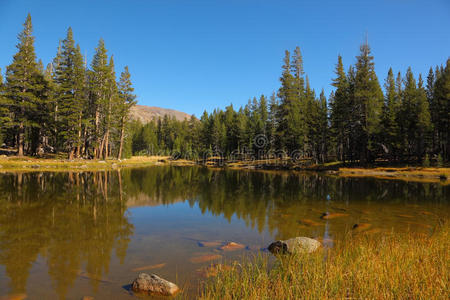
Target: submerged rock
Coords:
[[294, 245], [231, 246], [150, 267], [209, 243], [308, 222], [328, 216], [152, 284], [361, 226], [204, 258]]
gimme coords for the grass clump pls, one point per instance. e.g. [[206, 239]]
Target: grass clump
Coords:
[[388, 266]]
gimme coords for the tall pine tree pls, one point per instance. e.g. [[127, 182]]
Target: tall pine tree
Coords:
[[368, 101], [126, 101], [25, 89]]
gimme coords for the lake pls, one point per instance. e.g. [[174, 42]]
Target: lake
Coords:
[[67, 235]]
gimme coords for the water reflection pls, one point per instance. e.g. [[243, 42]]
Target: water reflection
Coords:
[[76, 222], [73, 221]]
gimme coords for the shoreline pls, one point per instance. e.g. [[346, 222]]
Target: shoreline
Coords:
[[408, 173], [31, 164]]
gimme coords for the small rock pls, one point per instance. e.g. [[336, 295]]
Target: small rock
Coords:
[[102, 162], [308, 222], [114, 166], [231, 246], [294, 245], [87, 298], [35, 166], [151, 267], [209, 244], [361, 226], [328, 216], [152, 284], [83, 167], [205, 258]]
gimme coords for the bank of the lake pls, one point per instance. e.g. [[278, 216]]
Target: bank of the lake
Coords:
[[404, 172], [408, 173], [23, 164], [360, 266]]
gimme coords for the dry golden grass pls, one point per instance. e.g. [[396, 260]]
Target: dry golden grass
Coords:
[[23, 164], [403, 266], [406, 173]]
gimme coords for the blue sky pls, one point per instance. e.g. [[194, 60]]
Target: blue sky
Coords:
[[196, 55]]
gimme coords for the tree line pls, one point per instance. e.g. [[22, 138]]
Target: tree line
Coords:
[[84, 112], [65, 107], [359, 122]]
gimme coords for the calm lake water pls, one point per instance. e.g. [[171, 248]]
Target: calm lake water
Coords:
[[69, 235]]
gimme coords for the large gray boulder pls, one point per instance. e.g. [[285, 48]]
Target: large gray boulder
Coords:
[[294, 246], [152, 284]]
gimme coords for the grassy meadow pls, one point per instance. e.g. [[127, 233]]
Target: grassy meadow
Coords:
[[363, 266]]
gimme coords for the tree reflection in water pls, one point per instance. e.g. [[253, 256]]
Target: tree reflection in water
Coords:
[[77, 221]]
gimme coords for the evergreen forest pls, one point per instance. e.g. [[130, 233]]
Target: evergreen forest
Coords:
[[83, 111]]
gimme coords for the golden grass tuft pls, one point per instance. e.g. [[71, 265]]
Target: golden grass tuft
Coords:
[[388, 266]]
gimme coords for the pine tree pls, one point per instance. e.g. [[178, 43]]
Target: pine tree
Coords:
[[25, 88], [442, 109], [109, 109], [231, 129], [301, 104], [323, 136], [289, 128], [431, 81], [408, 119], [424, 126], [69, 75], [368, 99], [98, 89], [272, 123], [340, 110], [4, 110], [127, 100], [389, 136]]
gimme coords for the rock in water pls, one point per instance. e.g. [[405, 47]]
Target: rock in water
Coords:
[[328, 216], [153, 284], [294, 245], [231, 246]]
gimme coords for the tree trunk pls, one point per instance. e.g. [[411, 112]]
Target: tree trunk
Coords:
[[106, 144], [101, 147], [71, 153], [97, 133], [79, 135], [20, 140], [122, 132]]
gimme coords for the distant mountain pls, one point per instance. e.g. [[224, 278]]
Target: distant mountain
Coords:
[[145, 113]]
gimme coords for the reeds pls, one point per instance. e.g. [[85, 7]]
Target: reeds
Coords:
[[363, 266]]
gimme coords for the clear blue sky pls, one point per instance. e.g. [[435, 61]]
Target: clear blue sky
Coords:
[[196, 55]]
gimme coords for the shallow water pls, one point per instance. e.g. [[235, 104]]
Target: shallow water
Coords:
[[69, 235]]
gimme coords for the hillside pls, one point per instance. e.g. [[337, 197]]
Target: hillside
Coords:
[[145, 113]]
